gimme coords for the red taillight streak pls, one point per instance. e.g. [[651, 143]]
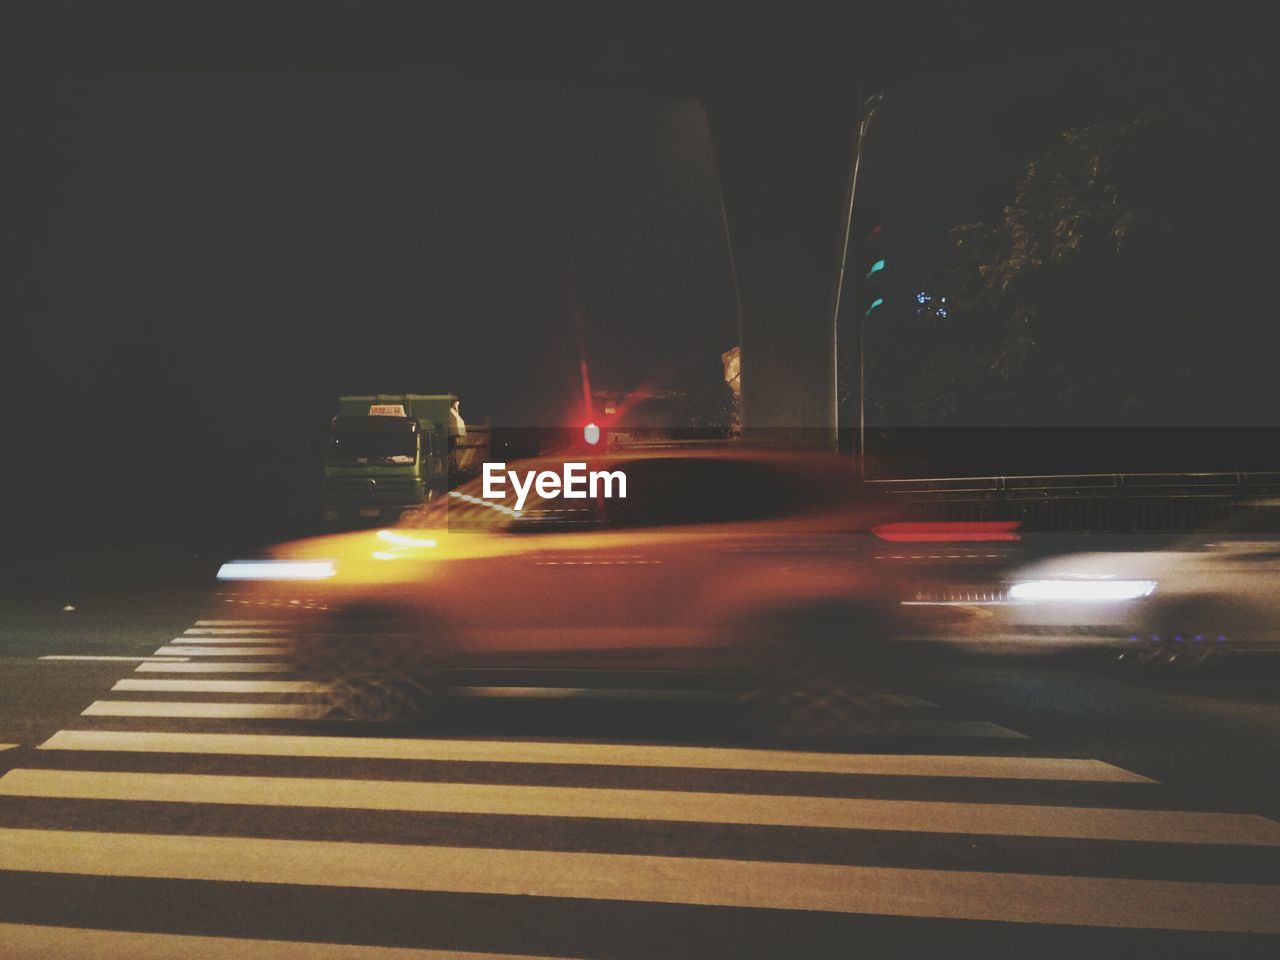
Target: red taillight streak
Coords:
[[947, 532]]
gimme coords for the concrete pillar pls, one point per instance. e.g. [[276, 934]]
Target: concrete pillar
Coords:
[[784, 154]]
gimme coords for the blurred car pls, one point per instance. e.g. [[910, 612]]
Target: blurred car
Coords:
[[771, 564], [1172, 600]]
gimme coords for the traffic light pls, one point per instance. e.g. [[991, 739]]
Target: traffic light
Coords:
[[589, 437], [871, 259]]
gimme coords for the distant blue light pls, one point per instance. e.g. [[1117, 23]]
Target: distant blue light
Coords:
[[923, 297]]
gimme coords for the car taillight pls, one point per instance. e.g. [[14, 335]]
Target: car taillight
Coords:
[[947, 532]]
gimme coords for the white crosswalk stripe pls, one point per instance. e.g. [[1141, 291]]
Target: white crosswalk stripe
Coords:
[[238, 622], [216, 639], [227, 651], [244, 641], [213, 666], [205, 711], [231, 640], [258, 628], [109, 659], [1160, 826], [885, 891], [591, 754], [32, 941], [295, 781], [218, 686]]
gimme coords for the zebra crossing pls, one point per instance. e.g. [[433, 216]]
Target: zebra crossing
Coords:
[[277, 838], [32, 941], [224, 646]]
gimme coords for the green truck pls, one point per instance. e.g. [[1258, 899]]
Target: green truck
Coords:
[[387, 453]]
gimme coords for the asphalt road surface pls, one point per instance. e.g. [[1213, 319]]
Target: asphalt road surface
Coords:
[[171, 788]]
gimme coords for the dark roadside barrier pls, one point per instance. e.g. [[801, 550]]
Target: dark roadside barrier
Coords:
[[1099, 502]]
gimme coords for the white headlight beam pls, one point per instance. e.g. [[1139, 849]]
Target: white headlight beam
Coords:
[[1081, 591], [277, 570]]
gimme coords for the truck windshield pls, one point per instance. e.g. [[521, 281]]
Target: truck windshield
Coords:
[[365, 448]]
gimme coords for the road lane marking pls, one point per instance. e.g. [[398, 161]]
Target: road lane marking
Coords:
[[7, 746], [597, 754], [29, 940], [221, 686], [237, 622], [174, 659], [206, 641], [885, 891], [206, 711], [212, 666], [274, 651], [234, 630], [600, 803]]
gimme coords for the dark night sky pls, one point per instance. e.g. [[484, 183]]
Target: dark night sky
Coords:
[[266, 241], [214, 255], [237, 241]]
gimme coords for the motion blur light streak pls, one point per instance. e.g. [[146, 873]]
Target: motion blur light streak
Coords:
[[1081, 590], [941, 532], [478, 501], [404, 540], [276, 570]]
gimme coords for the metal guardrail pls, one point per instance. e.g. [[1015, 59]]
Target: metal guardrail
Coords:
[[1103, 502]]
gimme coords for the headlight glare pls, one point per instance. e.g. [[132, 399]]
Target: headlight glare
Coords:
[[277, 570], [1081, 591]]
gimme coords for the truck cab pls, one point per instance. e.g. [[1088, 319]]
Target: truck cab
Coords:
[[388, 453]]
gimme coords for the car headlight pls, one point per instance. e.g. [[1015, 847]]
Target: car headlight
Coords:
[[1081, 591], [404, 539], [277, 570]]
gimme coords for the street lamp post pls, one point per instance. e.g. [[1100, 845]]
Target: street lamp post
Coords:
[[868, 110]]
